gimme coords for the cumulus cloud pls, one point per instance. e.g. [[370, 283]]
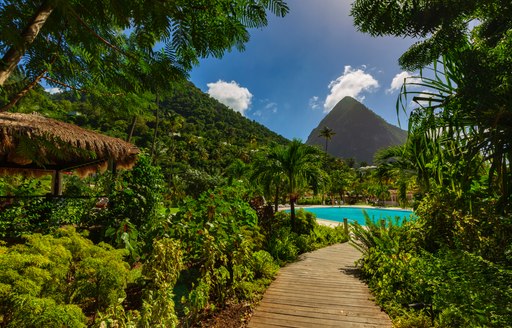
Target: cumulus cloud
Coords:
[[398, 81], [353, 82], [314, 102], [231, 94], [53, 90]]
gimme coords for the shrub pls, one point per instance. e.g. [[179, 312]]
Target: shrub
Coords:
[[447, 221], [263, 265], [161, 272], [219, 233], [457, 288], [282, 245], [42, 215], [52, 278], [285, 245]]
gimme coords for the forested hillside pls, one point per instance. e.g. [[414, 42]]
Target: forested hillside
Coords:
[[192, 136]]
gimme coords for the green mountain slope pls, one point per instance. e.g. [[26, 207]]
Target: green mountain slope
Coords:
[[197, 137], [359, 132]]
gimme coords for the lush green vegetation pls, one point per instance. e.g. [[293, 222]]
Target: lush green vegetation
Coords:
[[452, 267], [133, 263], [139, 262]]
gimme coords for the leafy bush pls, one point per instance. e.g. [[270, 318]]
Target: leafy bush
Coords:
[[468, 291], [263, 265], [42, 215], [282, 245], [219, 234], [454, 288], [52, 280], [138, 193], [285, 245], [447, 221], [132, 218], [159, 275], [161, 271]]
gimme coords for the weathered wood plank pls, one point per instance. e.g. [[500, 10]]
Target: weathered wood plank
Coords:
[[320, 290]]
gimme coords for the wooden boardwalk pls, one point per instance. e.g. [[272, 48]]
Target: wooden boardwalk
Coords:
[[320, 291]]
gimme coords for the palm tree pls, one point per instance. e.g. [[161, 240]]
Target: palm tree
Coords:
[[267, 175], [293, 167], [326, 133]]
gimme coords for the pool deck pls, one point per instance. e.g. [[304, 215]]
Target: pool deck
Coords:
[[320, 290]]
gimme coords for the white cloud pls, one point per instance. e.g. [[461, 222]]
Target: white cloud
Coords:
[[351, 83], [53, 90], [231, 94], [272, 107], [314, 102], [264, 108], [398, 81]]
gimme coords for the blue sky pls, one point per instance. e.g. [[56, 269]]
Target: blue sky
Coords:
[[294, 70]]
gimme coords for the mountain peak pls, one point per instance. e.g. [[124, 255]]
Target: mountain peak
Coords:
[[359, 132]]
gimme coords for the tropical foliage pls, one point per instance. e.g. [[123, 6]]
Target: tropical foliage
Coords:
[[115, 42], [294, 166], [326, 133], [452, 265]]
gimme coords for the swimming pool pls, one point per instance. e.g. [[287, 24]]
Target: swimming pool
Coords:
[[356, 213]]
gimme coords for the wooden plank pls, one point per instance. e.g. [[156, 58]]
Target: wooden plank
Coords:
[[323, 303], [295, 322], [334, 315], [347, 310], [320, 290]]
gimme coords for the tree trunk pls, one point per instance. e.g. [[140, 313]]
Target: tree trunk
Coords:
[[342, 201], [14, 100], [292, 214], [155, 135], [132, 128], [13, 56], [276, 200]]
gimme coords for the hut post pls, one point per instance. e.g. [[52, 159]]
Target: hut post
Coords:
[[57, 183], [112, 167]]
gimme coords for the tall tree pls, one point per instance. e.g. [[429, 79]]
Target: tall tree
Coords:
[[87, 44], [268, 175], [297, 165], [326, 133]]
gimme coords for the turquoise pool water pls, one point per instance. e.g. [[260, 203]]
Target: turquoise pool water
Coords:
[[356, 213]]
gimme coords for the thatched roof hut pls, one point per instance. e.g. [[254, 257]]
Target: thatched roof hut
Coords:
[[32, 144]]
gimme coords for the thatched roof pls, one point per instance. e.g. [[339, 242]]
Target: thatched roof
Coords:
[[32, 143]]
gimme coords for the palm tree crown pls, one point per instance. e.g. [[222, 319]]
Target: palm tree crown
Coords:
[[326, 133], [293, 166]]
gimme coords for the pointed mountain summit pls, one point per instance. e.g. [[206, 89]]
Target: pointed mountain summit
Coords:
[[359, 132]]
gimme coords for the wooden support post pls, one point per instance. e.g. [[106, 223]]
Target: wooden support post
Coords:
[[112, 167], [57, 183], [345, 226]]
